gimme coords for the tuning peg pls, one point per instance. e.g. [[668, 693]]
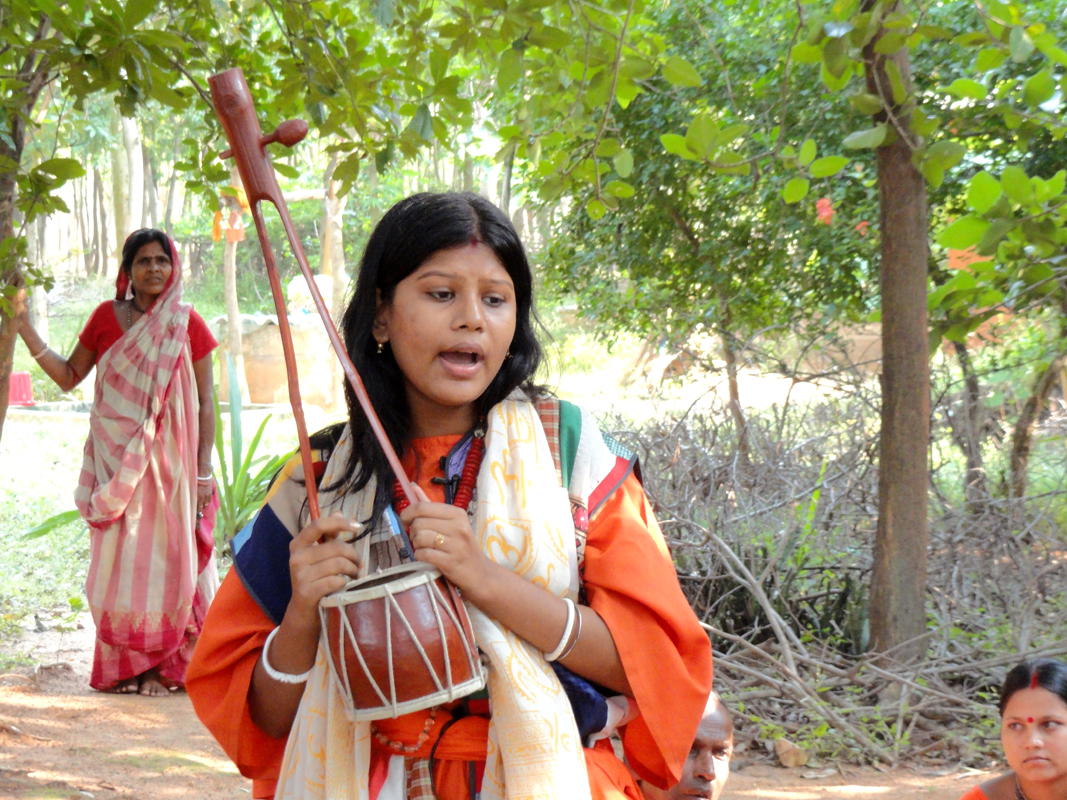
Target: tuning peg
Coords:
[[288, 133]]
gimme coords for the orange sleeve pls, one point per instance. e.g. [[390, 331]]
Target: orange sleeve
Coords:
[[631, 583], [219, 677], [975, 794]]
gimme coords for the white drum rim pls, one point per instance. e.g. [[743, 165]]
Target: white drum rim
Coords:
[[408, 576], [418, 704]]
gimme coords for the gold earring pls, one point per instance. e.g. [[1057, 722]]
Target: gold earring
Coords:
[[380, 345], [507, 355]]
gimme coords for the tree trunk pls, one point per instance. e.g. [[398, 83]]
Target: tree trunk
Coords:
[[898, 579], [101, 207], [150, 218], [967, 430], [131, 142], [730, 355], [505, 188], [33, 77], [333, 264], [120, 184], [171, 187], [35, 256], [233, 312], [468, 172], [1022, 437], [82, 208]]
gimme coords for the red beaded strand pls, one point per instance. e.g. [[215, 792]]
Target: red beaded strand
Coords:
[[467, 479]]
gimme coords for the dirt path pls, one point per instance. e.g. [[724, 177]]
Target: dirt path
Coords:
[[59, 739]]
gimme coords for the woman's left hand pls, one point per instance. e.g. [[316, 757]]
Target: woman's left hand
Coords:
[[204, 490], [441, 535]]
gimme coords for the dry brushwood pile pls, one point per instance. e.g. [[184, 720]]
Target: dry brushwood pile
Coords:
[[772, 536]]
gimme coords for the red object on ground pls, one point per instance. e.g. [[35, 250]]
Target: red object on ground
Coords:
[[21, 390]]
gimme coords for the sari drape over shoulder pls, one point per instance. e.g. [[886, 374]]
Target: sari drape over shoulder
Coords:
[[152, 573], [603, 544]]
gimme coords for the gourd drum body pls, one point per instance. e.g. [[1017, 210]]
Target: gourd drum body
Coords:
[[400, 641]]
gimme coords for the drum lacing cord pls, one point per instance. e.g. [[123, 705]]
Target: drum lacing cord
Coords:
[[459, 712]]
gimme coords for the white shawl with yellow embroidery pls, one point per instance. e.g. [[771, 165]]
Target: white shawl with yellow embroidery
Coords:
[[523, 521]]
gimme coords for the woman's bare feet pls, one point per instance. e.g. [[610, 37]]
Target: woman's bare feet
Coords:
[[129, 686], [153, 685]]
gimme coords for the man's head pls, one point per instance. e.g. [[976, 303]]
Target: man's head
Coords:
[[708, 765]]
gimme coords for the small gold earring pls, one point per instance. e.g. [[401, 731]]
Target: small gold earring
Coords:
[[380, 345], [507, 355]]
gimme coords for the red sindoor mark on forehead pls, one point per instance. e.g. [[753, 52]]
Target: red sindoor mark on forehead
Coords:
[[1033, 680], [1030, 720]]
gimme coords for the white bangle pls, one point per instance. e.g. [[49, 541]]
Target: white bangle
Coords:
[[566, 631], [205, 478], [43, 351], [577, 635], [281, 677]]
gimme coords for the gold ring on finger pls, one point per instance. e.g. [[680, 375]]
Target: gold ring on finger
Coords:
[[438, 540]]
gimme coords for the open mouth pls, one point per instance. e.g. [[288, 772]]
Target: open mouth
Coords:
[[462, 358]]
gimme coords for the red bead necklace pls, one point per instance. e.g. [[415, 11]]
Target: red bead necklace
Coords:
[[466, 481], [462, 499]]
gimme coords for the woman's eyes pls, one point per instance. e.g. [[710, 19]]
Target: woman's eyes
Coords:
[[492, 300]]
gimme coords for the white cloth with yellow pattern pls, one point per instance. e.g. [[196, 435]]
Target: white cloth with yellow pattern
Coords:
[[523, 521]]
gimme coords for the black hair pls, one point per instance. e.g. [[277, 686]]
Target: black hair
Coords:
[[1041, 672], [139, 239], [409, 233]]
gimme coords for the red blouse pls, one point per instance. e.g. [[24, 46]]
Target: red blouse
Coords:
[[103, 330]]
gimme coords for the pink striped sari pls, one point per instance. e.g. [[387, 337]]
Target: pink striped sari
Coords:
[[152, 571]]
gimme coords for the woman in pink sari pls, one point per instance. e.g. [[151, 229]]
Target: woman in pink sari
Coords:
[[146, 488]]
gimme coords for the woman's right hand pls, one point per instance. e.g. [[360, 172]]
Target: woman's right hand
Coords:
[[320, 562]]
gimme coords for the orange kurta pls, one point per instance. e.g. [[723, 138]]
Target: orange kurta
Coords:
[[630, 581]]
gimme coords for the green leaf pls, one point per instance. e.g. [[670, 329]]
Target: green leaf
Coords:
[[1056, 183], [52, 523], [946, 154], [137, 11], [510, 69], [990, 58], [983, 191], [383, 12], [807, 152], [1017, 185], [963, 233], [675, 144], [865, 103], [896, 82], [825, 167], [997, 230], [1020, 44], [1039, 88], [701, 136], [890, 43], [795, 190], [284, 169], [835, 83], [595, 209], [871, 137], [934, 173], [63, 169], [967, 88], [624, 163], [619, 189], [421, 123], [805, 53], [681, 73]]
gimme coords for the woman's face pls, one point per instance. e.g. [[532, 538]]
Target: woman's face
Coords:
[[151, 269], [1034, 735], [450, 324]]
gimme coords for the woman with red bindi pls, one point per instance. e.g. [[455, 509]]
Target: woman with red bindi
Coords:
[[1033, 710]]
